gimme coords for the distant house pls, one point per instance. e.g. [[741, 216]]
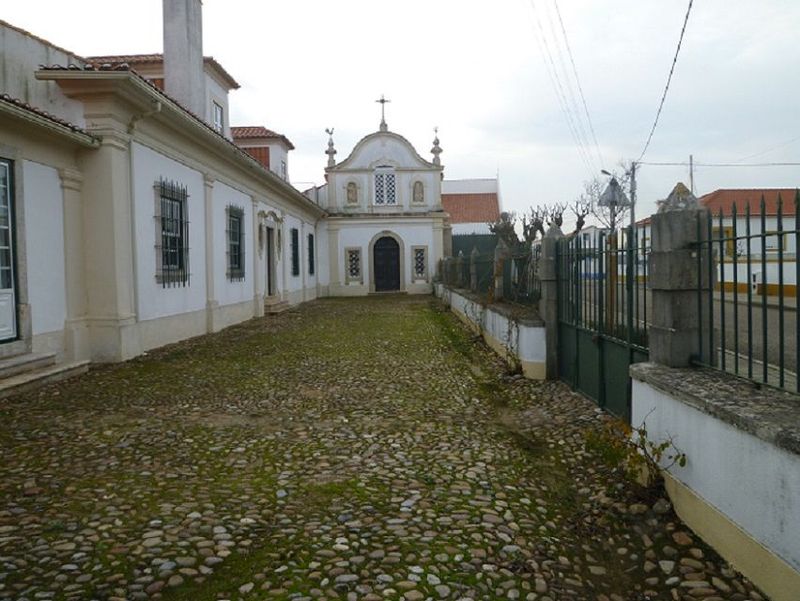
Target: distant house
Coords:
[[472, 204], [766, 246]]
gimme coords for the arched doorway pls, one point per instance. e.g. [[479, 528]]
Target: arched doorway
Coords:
[[386, 262]]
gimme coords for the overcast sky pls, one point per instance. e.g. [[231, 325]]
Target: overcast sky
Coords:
[[479, 71]]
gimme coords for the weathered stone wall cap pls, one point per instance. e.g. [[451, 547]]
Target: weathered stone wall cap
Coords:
[[769, 414]]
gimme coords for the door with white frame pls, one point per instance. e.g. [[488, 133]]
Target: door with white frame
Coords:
[[8, 297]]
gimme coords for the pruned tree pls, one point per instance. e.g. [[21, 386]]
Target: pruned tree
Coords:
[[533, 224], [609, 216], [505, 229], [581, 209], [555, 214]]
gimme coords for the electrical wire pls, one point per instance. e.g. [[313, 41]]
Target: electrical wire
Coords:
[[555, 81], [686, 164], [578, 81], [768, 150], [669, 80]]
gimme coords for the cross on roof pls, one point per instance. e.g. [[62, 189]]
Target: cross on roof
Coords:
[[382, 101]]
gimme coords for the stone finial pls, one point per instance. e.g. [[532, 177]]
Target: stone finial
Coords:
[[436, 150], [331, 152], [680, 199]]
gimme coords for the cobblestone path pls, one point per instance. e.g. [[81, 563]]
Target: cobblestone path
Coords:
[[350, 449]]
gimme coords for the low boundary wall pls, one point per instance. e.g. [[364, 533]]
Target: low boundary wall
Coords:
[[740, 488], [505, 333]]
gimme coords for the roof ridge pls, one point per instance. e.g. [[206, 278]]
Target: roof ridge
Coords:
[[41, 39]]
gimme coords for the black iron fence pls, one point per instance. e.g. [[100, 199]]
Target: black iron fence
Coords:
[[749, 321], [602, 284]]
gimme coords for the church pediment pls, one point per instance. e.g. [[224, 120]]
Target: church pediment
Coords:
[[383, 149]]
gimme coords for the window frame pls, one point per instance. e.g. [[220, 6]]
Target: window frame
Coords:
[[416, 275], [236, 266], [349, 277], [218, 117], [172, 234], [310, 242], [294, 244], [383, 177]]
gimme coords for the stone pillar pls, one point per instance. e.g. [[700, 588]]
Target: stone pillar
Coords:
[[460, 283], [501, 253], [548, 303], [212, 305], [675, 280], [473, 269], [76, 330]]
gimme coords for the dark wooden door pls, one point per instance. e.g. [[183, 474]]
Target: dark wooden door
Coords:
[[387, 264]]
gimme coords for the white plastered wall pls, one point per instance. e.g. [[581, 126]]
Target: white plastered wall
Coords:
[[227, 291], [154, 300], [44, 247]]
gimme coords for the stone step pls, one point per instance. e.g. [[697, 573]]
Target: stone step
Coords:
[[275, 308], [27, 362], [29, 380]]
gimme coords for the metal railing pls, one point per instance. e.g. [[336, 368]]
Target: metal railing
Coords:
[[749, 324], [602, 284]]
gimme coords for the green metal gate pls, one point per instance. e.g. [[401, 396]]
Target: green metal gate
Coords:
[[602, 314]]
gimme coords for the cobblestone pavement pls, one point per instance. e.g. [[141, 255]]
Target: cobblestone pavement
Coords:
[[350, 449]]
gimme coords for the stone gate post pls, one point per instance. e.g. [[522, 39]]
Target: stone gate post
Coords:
[[676, 279], [501, 254], [548, 303], [473, 269]]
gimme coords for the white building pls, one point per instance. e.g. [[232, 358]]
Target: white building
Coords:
[[385, 230], [472, 204]]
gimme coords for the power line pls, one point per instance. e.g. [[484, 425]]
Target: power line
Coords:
[[578, 80], [555, 81], [685, 164], [669, 80], [768, 150]]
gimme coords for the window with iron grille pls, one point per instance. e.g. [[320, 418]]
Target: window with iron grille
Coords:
[[311, 258], [385, 186], [235, 243], [295, 241], [353, 266], [420, 262], [172, 234]]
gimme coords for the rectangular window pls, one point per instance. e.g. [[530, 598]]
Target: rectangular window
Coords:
[[419, 257], [385, 186], [219, 118], [311, 259], [295, 241], [235, 243], [283, 170], [6, 249], [172, 235], [353, 264]]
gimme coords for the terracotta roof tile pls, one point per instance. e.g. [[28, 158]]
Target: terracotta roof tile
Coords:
[[251, 132], [471, 208], [723, 200], [50, 117], [147, 59]]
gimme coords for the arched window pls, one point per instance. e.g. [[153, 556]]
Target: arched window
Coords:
[[385, 186]]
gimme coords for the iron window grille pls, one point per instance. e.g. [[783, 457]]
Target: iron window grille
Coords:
[[385, 186], [420, 263], [353, 264], [295, 241], [236, 247], [311, 259], [172, 234]]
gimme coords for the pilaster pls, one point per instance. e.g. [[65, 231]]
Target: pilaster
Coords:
[[76, 329]]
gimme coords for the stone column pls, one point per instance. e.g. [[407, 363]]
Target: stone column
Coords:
[[460, 283], [76, 330], [473, 269], [548, 303], [212, 305], [676, 280], [501, 254]]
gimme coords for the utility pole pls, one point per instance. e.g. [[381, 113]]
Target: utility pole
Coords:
[[633, 195], [691, 173]]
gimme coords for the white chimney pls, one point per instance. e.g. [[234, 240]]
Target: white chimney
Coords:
[[184, 76]]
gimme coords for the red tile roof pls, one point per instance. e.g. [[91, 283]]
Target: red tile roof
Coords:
[[50, 117], [252, 132], [472, 208], [150, 59], [723, 200]]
